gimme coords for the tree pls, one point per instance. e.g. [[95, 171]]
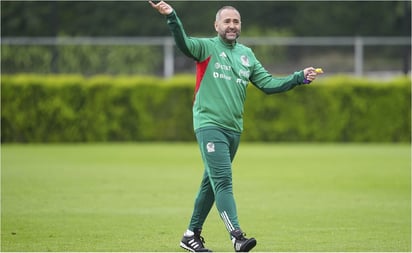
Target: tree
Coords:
[[118, 18]]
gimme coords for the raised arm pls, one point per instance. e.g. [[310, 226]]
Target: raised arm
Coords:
[[189, 46]]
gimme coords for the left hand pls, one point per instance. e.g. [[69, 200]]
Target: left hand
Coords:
[[310, 73]]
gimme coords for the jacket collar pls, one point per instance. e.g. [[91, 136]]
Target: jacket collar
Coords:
[[225, 44]]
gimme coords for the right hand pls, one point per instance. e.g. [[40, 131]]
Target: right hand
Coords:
[[162, 7]]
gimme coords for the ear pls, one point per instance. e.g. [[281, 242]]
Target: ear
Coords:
[[216, 26]]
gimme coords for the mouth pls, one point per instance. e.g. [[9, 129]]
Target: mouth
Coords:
[[231, 33]]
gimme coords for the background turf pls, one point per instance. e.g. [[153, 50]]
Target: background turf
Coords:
[[139, 197]]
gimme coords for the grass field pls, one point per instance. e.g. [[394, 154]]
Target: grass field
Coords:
[[139, 197]]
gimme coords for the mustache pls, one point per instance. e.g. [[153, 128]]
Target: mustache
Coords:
[[231, 30]]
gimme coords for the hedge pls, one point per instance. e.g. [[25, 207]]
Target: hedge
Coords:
[[71, 108], [338, 109]]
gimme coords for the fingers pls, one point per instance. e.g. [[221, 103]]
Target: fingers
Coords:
[[307, 73], [155, 4], [310, 69], [311, 73], [161, 7], [311, 76]]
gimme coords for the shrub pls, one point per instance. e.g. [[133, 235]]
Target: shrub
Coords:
[[72, 108]]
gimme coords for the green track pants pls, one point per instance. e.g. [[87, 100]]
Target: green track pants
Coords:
[[218, 148]]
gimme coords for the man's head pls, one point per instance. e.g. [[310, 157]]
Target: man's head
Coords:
[[228, 24]]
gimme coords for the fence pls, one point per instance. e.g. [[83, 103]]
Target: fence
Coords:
[[158, 55]]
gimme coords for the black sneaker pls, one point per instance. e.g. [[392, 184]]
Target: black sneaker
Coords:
[[194, 243], [240, 242]]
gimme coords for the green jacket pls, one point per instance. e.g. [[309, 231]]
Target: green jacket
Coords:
[[223, 74]]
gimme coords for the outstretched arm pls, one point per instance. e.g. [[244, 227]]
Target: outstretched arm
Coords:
[[263, 80], [162, 7]]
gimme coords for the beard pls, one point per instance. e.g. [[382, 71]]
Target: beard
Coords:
[[230, 35]]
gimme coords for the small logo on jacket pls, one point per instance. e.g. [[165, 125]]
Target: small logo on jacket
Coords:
[[210, 146], [244, 60]]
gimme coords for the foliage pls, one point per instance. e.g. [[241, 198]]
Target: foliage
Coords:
[[83, 59], [336, 109], [130, 18], [26, 59], [72, 108]]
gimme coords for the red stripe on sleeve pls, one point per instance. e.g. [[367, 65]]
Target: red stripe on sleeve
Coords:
[[200, 72]]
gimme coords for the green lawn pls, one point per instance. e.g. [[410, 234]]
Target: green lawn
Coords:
[[139, 197]]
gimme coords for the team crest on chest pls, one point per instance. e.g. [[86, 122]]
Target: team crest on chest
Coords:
[[244, 60]]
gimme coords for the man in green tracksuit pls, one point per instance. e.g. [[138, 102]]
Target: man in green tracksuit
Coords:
[[224, 70]]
